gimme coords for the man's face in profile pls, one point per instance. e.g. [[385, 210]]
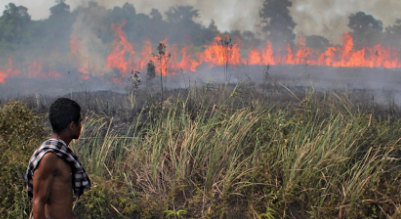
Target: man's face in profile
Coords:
[[77, 128]]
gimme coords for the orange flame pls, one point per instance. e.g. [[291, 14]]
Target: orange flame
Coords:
[[218, 53], [124, 59], [3, 77], [35, 70], [122, 55], [10, 71], [81, 59]]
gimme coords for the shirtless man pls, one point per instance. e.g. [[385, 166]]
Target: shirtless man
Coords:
[[54, 173]]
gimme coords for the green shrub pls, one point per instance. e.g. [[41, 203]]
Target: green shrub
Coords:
[[21, 133]]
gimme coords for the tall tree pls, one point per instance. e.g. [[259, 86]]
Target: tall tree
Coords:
[[60, 22], [94, 18], [156, 27], [14, 23], [127, 13], [366, 29], [136, 25], [60, 9], [393, 34], [183, 28], [250, 40], [155, 15], [182, 14], [212, 26], [277, 22], [210, 32], [317, 42]]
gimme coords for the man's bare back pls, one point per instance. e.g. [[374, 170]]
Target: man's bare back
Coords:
[[52, 183]]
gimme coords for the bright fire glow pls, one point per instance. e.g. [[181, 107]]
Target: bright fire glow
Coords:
[[3, 77], [123, 55], [9, 71], [80, 58], [123, 58]]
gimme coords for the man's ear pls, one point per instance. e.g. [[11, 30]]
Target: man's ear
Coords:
[[72, 126]]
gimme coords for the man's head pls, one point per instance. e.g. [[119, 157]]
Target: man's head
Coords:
[[65, 116]]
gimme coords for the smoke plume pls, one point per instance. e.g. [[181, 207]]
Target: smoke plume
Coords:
[[324, 17]]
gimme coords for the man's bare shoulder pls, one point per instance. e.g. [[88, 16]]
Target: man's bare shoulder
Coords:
[[50, 157], [48, 164]]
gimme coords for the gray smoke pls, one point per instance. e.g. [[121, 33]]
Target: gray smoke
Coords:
[[228, 15], [330, 18], [321, 17], [91, 50]]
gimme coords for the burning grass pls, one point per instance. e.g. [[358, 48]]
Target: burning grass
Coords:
[[232, 153], [114, 62]]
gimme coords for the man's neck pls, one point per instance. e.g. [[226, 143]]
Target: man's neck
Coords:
[[62, 137]]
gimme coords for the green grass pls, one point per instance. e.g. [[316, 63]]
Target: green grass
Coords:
[[239, 154]]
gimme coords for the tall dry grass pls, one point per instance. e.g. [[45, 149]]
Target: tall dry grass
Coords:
[[228, 153], [317, 156]]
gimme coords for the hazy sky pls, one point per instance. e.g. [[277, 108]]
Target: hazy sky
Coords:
[[324, 17]]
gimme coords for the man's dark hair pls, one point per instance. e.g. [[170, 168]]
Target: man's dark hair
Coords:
[[62, 112]]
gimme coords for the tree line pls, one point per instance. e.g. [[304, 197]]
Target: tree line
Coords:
[[18, 31]]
